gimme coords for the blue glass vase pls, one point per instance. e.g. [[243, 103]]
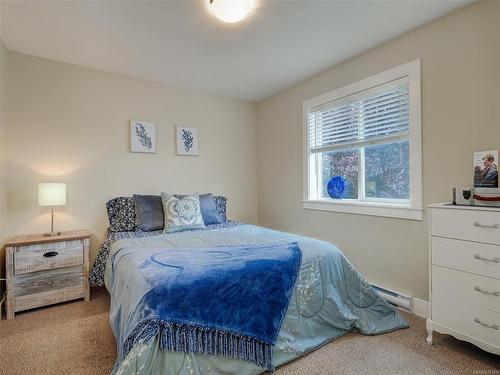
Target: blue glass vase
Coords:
[[336, 187]]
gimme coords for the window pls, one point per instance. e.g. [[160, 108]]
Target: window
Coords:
[[369, 134]]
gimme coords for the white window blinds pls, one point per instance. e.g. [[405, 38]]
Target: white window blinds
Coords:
[[372, 116]]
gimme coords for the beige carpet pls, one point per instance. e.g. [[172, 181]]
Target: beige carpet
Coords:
[[75, 338]]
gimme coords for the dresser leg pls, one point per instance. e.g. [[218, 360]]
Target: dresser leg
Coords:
[[428, 325]]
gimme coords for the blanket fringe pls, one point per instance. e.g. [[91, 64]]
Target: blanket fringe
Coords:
[[187, 338]]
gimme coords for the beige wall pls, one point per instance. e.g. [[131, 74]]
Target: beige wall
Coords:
[[67, 123], [71, 124], [461, 114], [3, 153]]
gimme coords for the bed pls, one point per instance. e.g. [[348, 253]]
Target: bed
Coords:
[[330, 298]]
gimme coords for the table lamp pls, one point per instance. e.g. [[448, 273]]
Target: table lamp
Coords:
[[50, 195]]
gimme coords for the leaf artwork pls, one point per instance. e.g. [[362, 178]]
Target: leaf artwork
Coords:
[[187, 138], [143, 136]]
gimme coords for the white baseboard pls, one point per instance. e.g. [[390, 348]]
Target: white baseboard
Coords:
[[420, 307]]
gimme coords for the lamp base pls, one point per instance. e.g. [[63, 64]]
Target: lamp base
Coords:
[[52, 234]]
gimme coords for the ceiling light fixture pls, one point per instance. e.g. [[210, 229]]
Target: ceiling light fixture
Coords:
[[231, 11]]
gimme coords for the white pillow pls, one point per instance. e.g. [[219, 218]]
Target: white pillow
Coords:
[[182, 213]]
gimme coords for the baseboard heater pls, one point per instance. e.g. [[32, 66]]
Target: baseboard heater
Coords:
[[396, 299]]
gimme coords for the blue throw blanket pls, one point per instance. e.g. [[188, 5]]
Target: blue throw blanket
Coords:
[[225, 301]]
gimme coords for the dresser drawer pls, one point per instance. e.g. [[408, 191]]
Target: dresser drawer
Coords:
[[472, 225], [47, 256], [483, 259], [463, 287], [480, 323], [51, 280]]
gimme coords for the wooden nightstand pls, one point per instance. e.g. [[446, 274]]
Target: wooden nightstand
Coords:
[[42, 270]]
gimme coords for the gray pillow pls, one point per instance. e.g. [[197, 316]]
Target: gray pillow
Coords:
[[149, 212], [208, 209]]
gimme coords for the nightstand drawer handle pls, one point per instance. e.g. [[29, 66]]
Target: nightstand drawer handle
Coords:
[[50, 254], [493, 226], [492, 326], [493, 260], [495, 293]]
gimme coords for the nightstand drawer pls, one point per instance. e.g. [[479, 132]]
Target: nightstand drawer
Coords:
[[44, 281], [48, 256]]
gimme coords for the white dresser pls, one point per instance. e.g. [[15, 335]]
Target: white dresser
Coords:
[[465, 274]]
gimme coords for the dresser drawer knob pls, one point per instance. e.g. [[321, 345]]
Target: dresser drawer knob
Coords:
[[495, 293], [494, 226], [492, 260], [50, 254], [496, 327]]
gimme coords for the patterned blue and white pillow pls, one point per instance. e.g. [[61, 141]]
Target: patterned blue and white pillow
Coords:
[[220, 207], [121, 214], [182, 213]]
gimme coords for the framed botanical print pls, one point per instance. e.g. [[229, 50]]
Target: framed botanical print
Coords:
[[187, 141], [142, 136]]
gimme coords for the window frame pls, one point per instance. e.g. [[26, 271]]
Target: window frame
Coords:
[[373, 206]]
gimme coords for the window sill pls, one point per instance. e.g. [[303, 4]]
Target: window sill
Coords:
[[366, 208]]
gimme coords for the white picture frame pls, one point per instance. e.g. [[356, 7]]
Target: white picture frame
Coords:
[[142, 137], [187, 141]]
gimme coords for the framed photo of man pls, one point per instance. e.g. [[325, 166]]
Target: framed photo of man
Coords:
[[486, 169]]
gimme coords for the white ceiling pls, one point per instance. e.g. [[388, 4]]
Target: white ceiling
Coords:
[[180, 43]]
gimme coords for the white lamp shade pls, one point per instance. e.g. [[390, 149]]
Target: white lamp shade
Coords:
[[52, 194]]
